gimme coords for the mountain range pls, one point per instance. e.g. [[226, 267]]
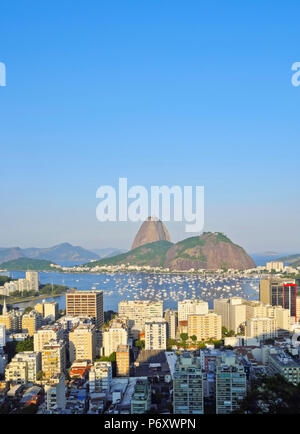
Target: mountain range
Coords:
[[211, 251], [61, 252]]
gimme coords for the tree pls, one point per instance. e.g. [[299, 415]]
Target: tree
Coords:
[[28, 309], [140, 343], [271, 395], [184, 336], [194, 338], [26, 345]]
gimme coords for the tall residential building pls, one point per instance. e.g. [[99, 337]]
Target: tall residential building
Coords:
[[2, 336], [231, 385], [138, 312], [233, 312], [191, 307], [156, 335], [53, 358], [278, 292], [188, 385], [172, 323], [82, 343], [46, 334], [48, 309], [113, 336], [261, 328], [31, 322], [123, 361], [256, 309], [100, 377], [24, 367], [33, 278], [141, 399], [86, 303], [55, 391], [205, 327], [275, 265]]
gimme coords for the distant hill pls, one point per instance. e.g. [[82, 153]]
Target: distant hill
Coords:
[[7, 254], [291, 259], [25, 264], [108, 252], [60, 253], [209, 251], [152, 254]]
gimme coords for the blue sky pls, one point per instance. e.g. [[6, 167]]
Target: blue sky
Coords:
[[159, 92]]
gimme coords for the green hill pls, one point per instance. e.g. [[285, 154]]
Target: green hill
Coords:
[[211, 251], [25, 264], [152, 254]]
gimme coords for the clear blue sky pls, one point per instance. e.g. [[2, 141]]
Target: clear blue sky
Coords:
[[161, 92]]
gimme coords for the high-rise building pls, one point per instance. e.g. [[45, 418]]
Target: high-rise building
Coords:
[[82, 343], [86, 303], [46, 334], [55, 391], [2, 336], [156, 335], [33, 278], [188, 385], [53, 358], [278, 292], [172, 323], [12, 319], [23, 368], [261, 328], [275, 265], [191, 307], [138, 312], [233, 312], [114, 335], [204, 327], [123, 361], [100, 377], [31, 322], [231, 384], [141, 399]]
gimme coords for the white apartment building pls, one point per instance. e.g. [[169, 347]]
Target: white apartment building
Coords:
[[233, 312], [2, 336], [23, 367], [172, 323], [191, 307], [112, 337], [275, 265], [55, 391], [138, 312], [261, 328], [156, 335], [33, 278], [100, 377], [46, 334]]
